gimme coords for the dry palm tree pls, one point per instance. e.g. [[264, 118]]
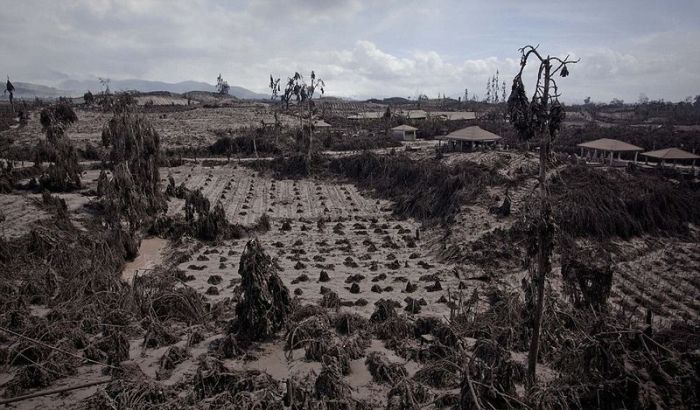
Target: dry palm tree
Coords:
[[541, 116]]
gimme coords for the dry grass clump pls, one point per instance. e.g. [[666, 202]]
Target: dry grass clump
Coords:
[[80, 264], [587, 275], [384, 371], [307, 330], [490, 377], [442, 374], [233, 387], [330, 300], [332, 390], [262, 224], [41, 372], [162, 298], [204, 222], [348, 323], [408, 394], [131, 389]]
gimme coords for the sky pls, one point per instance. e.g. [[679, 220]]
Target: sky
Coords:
[[360, 48]]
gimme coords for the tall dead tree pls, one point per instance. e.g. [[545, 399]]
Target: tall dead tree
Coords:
[[303, 93], [222, 86], [9, 88], [541, 117]]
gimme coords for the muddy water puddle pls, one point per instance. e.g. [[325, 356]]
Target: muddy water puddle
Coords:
[[150, 255]]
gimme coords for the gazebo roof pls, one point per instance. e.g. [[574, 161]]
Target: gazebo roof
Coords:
[[671, 153], [472, 134], [607, 144], [321, 124], [404, 128]]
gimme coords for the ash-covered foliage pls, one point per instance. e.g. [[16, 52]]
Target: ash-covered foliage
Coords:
[[134, 190], [64, 172], [423, 189], [596, 359], [201, 219], [590, 202], [243, 145], [266, 302]]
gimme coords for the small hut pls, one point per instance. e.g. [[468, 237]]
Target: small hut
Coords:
[[608, 148], [472, 136], [404, 132], [674, 155]]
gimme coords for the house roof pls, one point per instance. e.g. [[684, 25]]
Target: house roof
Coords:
[[413, 114], [607, 144], [671, 153], [366, 115], [416, 114], [321, 124], [455, 115], [404, 128], [473, 133]]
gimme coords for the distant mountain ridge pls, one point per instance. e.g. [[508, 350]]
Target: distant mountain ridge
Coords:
[[76, 88], [29, 90]]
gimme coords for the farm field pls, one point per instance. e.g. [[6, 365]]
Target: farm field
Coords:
[[349, 205], [179, 126], [385, 272]]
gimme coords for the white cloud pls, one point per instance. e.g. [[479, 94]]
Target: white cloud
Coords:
[[360, 48]]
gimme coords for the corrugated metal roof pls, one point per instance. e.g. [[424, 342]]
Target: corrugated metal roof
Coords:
[[607, 144], [404, 128], [455, 115], [473, 133], [671, 153], [366, 115]]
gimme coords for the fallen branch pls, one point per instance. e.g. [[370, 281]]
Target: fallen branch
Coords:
[[54, 391]]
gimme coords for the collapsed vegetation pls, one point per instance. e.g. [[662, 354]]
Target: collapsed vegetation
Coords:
[[605, 203], [64, 172], [134, 189], [427, 190]]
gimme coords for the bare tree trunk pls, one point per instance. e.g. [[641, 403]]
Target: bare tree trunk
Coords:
[[255, 146], [311, 134], [542, 240]]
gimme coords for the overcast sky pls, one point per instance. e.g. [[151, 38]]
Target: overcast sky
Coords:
[[360, 48]]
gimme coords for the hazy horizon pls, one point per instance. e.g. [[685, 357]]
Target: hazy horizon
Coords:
[[361, 49]]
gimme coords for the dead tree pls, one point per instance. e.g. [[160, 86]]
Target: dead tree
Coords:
[[540, 117], [9, 88], [303, 93], [222, 86]]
